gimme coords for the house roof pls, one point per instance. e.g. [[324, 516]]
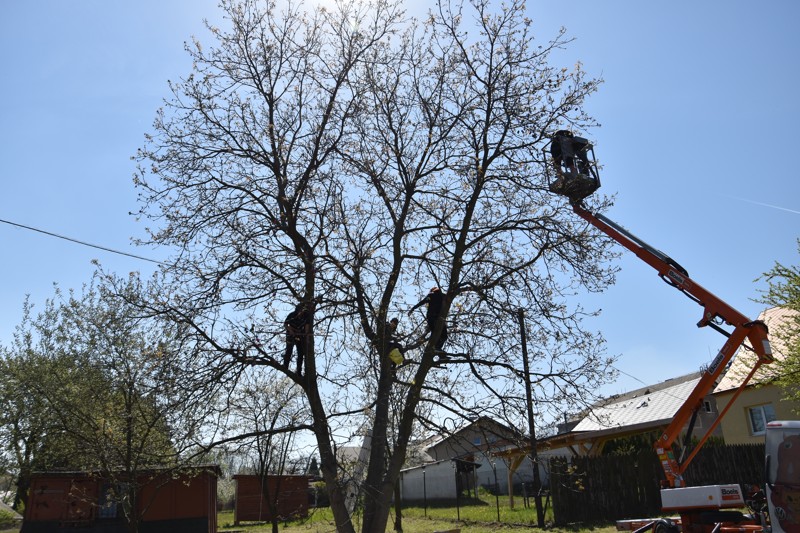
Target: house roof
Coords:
[[645, 409], [652, 405], [744, 359], [485, 423], [429, 464]]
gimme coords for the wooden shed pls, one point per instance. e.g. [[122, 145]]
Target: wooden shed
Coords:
[[289, 496], [184, 502]]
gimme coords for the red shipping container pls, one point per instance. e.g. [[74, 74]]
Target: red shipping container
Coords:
[[177, 503], [288, 493]]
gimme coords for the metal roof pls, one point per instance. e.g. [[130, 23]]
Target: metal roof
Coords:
[[649, 406]]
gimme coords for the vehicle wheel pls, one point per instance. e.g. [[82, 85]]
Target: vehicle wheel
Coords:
[[665, 526]]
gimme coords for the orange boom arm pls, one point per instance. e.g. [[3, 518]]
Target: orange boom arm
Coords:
[[715, 313], [576, 177]]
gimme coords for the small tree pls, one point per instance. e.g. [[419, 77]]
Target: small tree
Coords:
[[260, 410], [104, 391], [349, 160], [784, 291]]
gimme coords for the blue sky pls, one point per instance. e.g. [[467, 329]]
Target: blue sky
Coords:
[[698, 111]]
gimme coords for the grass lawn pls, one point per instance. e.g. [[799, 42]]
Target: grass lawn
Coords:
[[474, 516], [322, 522]]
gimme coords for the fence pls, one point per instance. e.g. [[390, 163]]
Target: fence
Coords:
[[591, 489]]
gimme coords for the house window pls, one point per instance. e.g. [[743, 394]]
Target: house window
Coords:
[[476, 441], [107, 506], [707, 407], [760, 415], [109, 502]]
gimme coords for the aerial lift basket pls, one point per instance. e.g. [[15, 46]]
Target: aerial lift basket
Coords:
[[570, 166]]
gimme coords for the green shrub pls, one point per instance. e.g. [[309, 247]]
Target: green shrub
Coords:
[[6, 518]]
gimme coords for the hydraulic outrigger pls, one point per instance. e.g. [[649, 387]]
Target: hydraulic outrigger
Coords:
[[576, 177]]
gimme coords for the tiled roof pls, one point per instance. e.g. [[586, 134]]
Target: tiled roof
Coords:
[[744, 358], [649, 406]]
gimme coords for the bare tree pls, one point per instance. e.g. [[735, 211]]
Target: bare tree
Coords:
[[349, 160], [261, 406]]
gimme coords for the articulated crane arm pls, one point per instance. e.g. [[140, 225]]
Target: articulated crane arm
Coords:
[[577, 184], [715, 313]]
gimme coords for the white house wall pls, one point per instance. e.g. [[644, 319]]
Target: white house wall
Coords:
[[438, 480], [524, 473], [435, 481]]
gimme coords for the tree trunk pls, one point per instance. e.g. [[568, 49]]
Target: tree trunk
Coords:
[[398, 511], [24, 477], [384, 468], [336, 493], [133, 516], [328, 462], [23, 484], [379, 482]]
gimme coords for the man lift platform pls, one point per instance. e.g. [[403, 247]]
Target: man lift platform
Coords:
[[575, 166]]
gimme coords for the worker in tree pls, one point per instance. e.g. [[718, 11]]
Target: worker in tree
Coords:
[[435, 302], [393, 347], [297, 325]]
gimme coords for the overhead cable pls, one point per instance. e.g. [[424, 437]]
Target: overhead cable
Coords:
[[83, 243]]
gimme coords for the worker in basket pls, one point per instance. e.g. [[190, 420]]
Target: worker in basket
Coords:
[[575, 177], [565, 149]]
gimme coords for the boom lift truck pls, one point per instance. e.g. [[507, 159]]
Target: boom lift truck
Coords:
[[702, 509]]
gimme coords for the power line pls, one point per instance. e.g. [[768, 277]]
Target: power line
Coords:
[[83, 243], [630, 376]]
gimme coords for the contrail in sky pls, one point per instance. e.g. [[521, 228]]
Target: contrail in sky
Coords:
[[766, 205]]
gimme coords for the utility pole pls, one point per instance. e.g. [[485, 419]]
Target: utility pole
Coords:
[[537, 482]]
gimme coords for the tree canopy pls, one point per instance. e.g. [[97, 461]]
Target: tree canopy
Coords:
[[349, 160]]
